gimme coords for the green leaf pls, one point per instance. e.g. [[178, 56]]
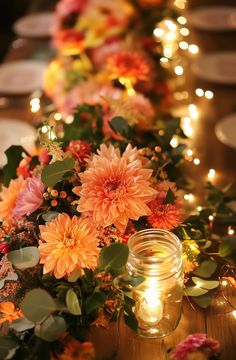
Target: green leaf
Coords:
[[37, 304], [131, 321], [12, 277], [24, 258], [205, 284], [7, 344], [206, 269], [113, 257], [170, 197], [203, 300], [14, 156], [22, 324], [50, 215], [51, 328], [72, 302], [95, 301], [53, 173], [195, 291], [227, 247], [120, 126]]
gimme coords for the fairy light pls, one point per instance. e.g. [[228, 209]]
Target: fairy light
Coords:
[[184, 31], [196, 161], [35, 104], [199, 208], [181, 95], [230, 231], [174, 142], [182, 20], [164, 60], [209, 94], [189, 197], [211, 217], [186, 124], [171, 25], [193, 111], [57, 116], [234, 313], [193, 49], [168, 52], [45, 129], [183, 45], [211, 174], [199, 92], [224, 283], [179, 70], [69, 119], [180, 4], [189, 152], [158, 32]]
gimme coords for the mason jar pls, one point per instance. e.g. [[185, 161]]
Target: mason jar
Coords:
[[156, 256]]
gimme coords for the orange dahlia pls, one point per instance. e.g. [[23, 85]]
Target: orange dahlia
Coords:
[[129, 66], [115, 188], [8, 198], [75, 350], [8, 312], [68, 245]]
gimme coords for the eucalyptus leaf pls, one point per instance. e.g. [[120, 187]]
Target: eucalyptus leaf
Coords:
[[53, 173], [195, 291], [51, 328], [206, 269], [72, 302], [227, 247], [12, 277], [24, 258], [7, 344], [37, 304], [203, 300], [22, 324], [114, 257], [50, 215], [205, 284], [120, 126]]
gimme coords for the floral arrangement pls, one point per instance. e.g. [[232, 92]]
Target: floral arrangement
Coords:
[[104, 169]]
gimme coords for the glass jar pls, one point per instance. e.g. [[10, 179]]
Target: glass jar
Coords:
[[156, 255]]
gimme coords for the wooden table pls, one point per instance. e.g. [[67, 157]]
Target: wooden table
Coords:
[[119, 342]]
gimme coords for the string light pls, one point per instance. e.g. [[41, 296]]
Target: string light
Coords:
[[180, 4], [211, 174], [196, 161], [69, 119], [189, 152], [211, 217], [35, 104], [45, 129], [179, 70], [164, 60], [199, 208], [209, 94], [193, 49], [193, 111], [182, 20], [158, 32], [183, 45], [224, 282], [199, 92], [186, 124], [57, 116], [174, 142], [230, 231], [184, 31], [189, 197]]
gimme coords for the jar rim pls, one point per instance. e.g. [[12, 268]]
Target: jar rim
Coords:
[[178, 246]]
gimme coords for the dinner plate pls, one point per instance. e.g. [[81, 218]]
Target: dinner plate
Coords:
[[15, 132], [35, 25], [21, 77], [219, 67], [213, 18], [226, 130]]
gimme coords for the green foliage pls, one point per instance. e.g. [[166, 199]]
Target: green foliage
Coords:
[[22, 324], [227, 248], [24, 258], [205, 284], [203, 300], [11, 277], [120, 126], [49, 215], [7, 343], [113, 258], [129, 316], [51, 328], [206, 269], [37, 305], [72, 302], [195, 291], [53, 173], [14, 156], [95, 301], [170, 197]]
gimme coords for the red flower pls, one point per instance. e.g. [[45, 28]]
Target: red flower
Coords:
[[80, 150], [4, 248], [24, 167]]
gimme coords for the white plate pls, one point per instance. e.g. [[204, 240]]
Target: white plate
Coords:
[[15, 132], [217, 67], [35, 25], [213, 18], [226, 130], [21, 77]]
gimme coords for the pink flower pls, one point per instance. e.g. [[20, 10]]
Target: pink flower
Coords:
[[30, 198], [116, 187], [193, 343], [80, 150], [165, 216]]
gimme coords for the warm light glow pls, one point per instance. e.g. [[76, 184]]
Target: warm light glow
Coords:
[[167, 52], [193, 111], [193, 49], [189, 152], [183, 45], [234, 313], [189, 197], [211, 174], [35, 104], [180, 4], [179, 70], [158, 32], [182, 20], [131, 92], [230, 231], [69, 119], [186, 124], [181, 95], [196, 161], [45, 129], [174, 142], [211, 217], [57, 116], [209, 94], [199, 208], [198, 284], [164, 60], [171, 25], [150, 309], [224, 282], [184, 31], [199, 92]]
